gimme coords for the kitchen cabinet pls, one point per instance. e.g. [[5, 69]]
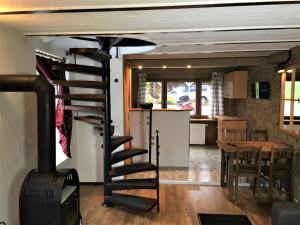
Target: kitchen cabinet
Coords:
[[230, 122], [235, 85]]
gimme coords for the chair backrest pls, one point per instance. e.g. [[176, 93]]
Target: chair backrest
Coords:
[[259, 135], [282, 158], [248, 156], [235, 135]]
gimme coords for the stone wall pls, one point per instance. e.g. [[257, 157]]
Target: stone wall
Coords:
[[265, 113]]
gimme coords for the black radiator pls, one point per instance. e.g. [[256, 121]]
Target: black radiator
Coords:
[[48, 196]]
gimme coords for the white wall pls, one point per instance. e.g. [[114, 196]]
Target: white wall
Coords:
[[18, 128], [87, 154], [117, 108], [86, 141]]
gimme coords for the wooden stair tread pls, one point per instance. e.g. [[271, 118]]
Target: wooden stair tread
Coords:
[[126, 154], [116, 141], [134, 202], [129, 184], [92, 53], [95, 120], [76, 68], [81, 83], [130, 169], [83, 97], [83, 108]]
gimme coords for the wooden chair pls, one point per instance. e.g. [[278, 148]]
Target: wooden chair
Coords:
[[259, 135], [232, 135], [235, 135], [248, 165], [281, 167]]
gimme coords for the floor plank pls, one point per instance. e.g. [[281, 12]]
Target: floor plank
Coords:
[[179, 206]]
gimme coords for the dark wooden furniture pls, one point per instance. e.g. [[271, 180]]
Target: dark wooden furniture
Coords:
[[247, 164], [230, 148]]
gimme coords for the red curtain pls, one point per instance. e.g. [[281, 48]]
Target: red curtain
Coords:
[[63, 118]]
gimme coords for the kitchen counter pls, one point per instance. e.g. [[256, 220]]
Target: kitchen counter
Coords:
[[173, 126], [230, 118]]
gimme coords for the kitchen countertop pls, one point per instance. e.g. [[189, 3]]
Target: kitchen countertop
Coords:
[[203, 120], [235, 118]]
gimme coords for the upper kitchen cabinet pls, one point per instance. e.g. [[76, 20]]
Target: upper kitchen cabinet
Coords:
[[235, 85]]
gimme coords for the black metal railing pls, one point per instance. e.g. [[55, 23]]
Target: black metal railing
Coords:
[[157, 168]]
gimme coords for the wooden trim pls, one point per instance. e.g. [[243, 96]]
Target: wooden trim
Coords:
[[282, 94], [292, 97], [289, 132], [198, 98], [164, 96], [145, 8], [127, 104]]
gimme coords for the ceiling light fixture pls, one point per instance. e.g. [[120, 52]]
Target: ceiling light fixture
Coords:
[[164, 67], [188, 66], [281, 71], [289, 71], [140, 67]]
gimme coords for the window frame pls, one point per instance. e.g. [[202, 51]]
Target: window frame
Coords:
[[198, 83], [292, 99]]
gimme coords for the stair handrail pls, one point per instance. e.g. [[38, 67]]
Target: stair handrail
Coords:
[[157, 167], [149, 106]]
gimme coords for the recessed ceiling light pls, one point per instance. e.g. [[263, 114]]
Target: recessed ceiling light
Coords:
[[140, 67], [164, 67], [289, 71], [188, 66]]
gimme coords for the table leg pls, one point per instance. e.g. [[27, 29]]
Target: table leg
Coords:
[[231, 175], [223, 172]]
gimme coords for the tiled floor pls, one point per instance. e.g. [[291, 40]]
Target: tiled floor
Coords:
[[204, 167]]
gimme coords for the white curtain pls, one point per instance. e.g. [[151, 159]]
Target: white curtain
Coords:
[[141, 98], [217, 94]]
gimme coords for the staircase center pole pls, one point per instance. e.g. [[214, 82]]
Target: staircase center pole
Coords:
[[107, 122]]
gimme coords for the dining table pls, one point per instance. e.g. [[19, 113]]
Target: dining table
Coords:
[[228, 150]]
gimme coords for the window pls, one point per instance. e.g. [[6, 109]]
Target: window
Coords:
[[205, 99], [193, 95], [181, 95], [154, 94], [290, 101]]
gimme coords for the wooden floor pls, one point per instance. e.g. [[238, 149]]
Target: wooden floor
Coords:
[[179, 206], [204, 167]]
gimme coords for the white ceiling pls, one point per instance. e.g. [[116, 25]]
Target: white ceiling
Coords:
[[28, 5], [213, 28]]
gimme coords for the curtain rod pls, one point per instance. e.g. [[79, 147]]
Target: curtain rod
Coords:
[[48, 55]]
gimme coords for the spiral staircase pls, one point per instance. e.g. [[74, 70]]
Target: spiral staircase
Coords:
[[115, 176]]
